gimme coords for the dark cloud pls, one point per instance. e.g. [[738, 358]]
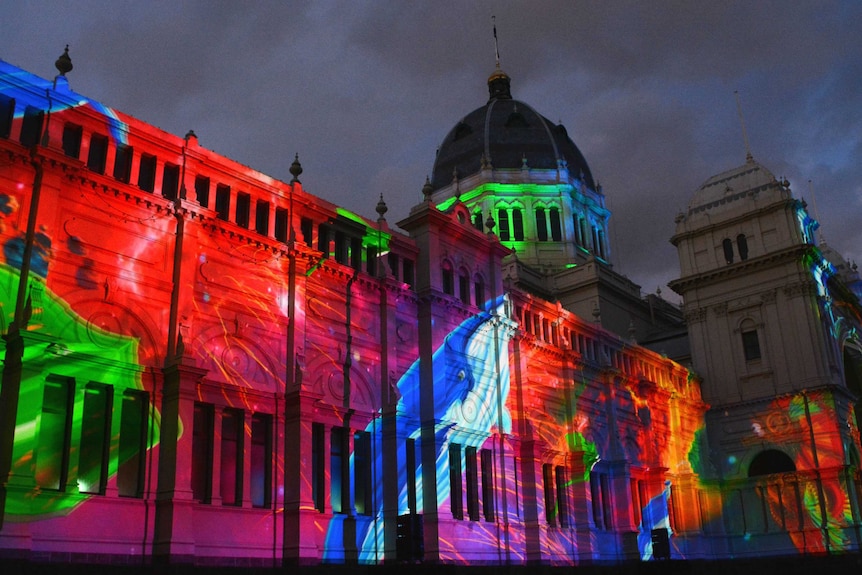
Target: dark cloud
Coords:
[[366, 91]]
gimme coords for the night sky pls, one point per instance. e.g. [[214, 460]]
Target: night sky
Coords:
[[366, 91]]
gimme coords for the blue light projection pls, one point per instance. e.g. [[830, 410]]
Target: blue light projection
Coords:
[[471, 385]]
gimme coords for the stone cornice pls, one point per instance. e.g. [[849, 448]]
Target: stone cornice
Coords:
[[793, 253]]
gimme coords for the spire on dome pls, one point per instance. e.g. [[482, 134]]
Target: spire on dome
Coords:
[[748, 157], [498, 82]]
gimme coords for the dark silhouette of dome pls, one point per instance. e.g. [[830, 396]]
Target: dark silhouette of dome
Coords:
[[506, 134]]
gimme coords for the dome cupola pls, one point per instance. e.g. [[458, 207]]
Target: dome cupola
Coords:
[[506, 134]]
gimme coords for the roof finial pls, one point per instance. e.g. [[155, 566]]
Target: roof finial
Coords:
[[498, 83], [295, 170], [748, 156], [64, 62], [496, 47], [381, 210]]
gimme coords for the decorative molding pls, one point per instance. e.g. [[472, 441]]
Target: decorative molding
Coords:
[[800, 289], [768, 296], [695, 315]]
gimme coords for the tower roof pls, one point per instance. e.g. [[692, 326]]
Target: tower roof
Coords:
[[506, 134], [749, 178]]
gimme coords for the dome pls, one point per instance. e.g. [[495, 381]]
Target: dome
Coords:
[[504, 133], [749, 178]]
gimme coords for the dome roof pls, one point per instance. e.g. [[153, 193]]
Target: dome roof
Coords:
[[503, 133], [749, 178]]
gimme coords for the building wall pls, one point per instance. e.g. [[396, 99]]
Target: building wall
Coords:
[[214, 367]]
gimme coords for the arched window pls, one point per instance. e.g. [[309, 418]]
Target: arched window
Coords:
[[479, 291], [742, 246], [541, 225], [448, 279], [517, 224], [770, 461], [503, 226], [556, 226], [477, 221], [727, 245], [464, 286], [576, 224]]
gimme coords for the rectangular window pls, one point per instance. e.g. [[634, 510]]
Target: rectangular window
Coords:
[[222, 205], [341, 247], [336, 458], [448, 282], [477, 221], [356, 253], [516, 480], [518, 225], [122, 163], [750, 345], [170, 181], [392, 260], [371, 260], [243, 205], [55, 428], [98, 153], [607, 510], [72, 135], [456, 493], [7, 112], [339, 490], [636, 501], [31, 126], [318, 473], [488, 484], [541, 225], [202, 452], [479, 293], [596, 498], [503, 224], [261, 460], [147, 173], [472, 483], [202, 191], [133, 443], [409, 272], [261, 217], [232, 432], [464, 288], [306, 228], [323, 239], [556, 227], [549, 491], [362, 472], [562, 499], [95, 438], [281, 224]]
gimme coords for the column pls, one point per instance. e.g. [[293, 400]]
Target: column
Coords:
[[173, 540]]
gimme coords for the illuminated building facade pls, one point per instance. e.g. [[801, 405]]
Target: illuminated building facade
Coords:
[[206, 365], [774, 329]]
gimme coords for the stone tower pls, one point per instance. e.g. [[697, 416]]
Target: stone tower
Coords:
[[773, 333]]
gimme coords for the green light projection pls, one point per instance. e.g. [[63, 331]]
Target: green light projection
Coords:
[[52, 426]]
